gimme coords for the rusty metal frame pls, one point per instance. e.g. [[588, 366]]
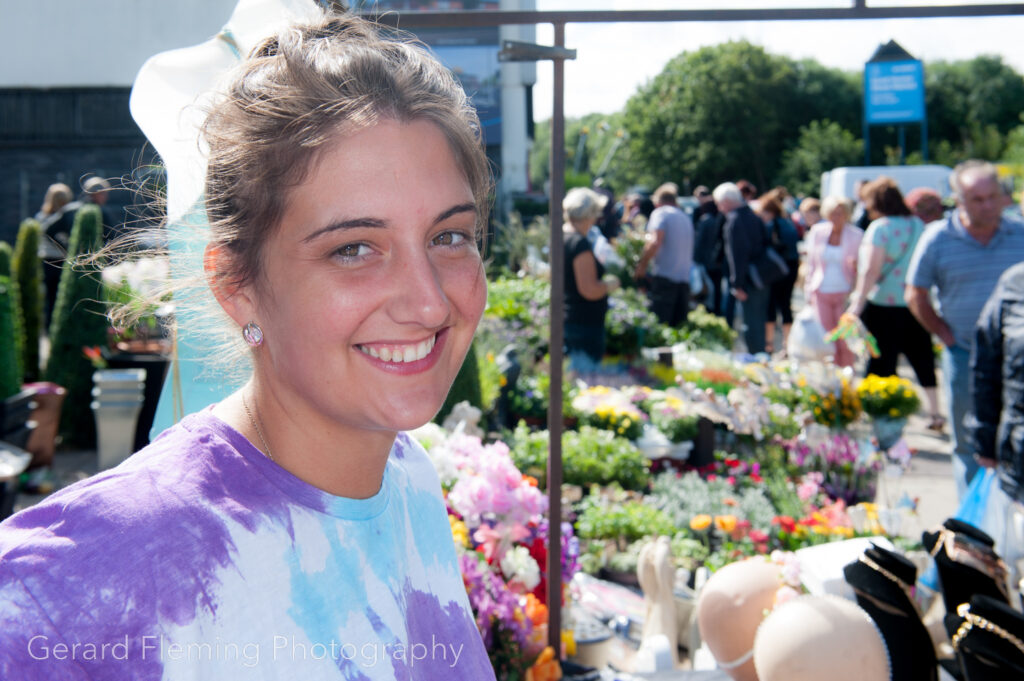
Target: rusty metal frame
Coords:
[[484, 18]]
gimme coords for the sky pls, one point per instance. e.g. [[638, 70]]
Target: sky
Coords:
[[613, 60]]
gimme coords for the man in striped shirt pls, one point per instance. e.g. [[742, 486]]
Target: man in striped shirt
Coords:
[[962, 257]]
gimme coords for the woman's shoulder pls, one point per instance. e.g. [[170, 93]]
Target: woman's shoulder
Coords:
[[409, 456], [145, 498]]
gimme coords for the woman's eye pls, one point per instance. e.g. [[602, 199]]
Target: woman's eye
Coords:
[[450, 239], [352, 250]]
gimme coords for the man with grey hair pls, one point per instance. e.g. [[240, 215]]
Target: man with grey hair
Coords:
[[746, 243], [670, 246], [962, 258]]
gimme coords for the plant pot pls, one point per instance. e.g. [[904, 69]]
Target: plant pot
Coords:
[[115, 430], [42, 443], [16, 417], [888, 431]]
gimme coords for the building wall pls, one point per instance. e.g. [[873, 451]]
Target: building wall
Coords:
[[64, 98]]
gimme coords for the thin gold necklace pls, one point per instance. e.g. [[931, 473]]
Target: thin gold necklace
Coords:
[[252, 420]]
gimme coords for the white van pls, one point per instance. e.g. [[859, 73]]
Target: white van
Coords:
[[841, 181]]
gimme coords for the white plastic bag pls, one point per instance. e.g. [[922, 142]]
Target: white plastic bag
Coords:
[[807, 337]]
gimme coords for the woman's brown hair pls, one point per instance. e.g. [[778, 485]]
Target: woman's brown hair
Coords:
[[882, 195]]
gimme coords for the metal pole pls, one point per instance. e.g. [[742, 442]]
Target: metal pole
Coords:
[[554, 566]]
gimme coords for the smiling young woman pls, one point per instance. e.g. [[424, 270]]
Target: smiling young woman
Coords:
[[292, 527]]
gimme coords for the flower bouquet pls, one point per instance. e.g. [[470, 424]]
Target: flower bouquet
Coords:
[[846, 472], [888, 401]]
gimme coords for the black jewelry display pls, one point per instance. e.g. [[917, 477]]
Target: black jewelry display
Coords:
[[967, 565], [882, 582], [989, 641]]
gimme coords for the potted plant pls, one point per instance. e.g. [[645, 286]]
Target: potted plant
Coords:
[[888, 401], [27, 269], [79, 320]]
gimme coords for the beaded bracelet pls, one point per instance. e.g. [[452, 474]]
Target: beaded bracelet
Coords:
[[971, 620]]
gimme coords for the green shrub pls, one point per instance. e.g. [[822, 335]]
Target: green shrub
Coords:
[[28, 271], [17, 326], [79, 321], [465, 387], [623, 522], [10, 377], [590, 456]]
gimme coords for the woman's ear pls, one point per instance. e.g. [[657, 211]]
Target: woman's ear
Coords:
[[234, 298]]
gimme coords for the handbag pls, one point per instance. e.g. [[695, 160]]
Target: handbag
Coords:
[[700, 282], [767, 268]]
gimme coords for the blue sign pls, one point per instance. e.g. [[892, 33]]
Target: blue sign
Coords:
[[894, 92]]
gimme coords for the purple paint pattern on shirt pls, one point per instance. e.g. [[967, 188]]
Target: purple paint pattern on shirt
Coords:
[[97, 594]]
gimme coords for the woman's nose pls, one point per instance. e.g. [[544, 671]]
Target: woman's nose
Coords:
[[418, 295]]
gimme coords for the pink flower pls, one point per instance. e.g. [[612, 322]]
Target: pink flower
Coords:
[[785, 593]]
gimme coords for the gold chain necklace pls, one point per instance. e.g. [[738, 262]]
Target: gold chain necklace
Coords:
[[971, 620], [266, 447]]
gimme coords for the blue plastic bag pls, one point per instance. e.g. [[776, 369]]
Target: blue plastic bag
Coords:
[[972, 510]]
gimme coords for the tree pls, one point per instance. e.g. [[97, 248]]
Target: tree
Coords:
[[729, 111], [971, 105], [822, 145]]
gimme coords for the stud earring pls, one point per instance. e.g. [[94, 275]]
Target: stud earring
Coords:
[[253, 334]]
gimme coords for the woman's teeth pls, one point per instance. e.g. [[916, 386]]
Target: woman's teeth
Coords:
[[400, 353]]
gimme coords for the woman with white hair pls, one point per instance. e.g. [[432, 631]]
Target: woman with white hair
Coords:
[[832, 248], [587, 287]]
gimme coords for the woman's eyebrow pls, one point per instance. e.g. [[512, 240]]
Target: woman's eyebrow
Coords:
[[354, 223]]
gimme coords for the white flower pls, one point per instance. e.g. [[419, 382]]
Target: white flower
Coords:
[[519, 566]]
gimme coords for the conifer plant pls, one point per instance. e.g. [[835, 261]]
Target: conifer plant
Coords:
[[79, 322], [28, 272]]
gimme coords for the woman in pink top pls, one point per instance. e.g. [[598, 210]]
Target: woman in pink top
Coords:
[[832, 247]]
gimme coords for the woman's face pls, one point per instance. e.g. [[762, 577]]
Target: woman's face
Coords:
[[838, 216], [372, 284]]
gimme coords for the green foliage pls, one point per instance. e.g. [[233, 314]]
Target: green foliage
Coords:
[[465, 387], [624, 522], [28, 270], [18, 325], [79, 321], [589, 457], [628, 323], [822, 145], [729, 111], [689, 495], [971, 104], [513, 242], [602, 148], [529, 398], [10, 376]]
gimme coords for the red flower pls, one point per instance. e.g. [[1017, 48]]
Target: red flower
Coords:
[[785, 522], [732, 463], [758, 536], [731, 480], [756, 478]]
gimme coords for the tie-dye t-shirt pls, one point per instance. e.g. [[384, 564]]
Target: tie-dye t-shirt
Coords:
[[198, 558]]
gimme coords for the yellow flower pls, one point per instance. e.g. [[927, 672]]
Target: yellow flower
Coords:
[[460, 533], [700, 522], [894, 412], [725, 523], [842, 531]]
